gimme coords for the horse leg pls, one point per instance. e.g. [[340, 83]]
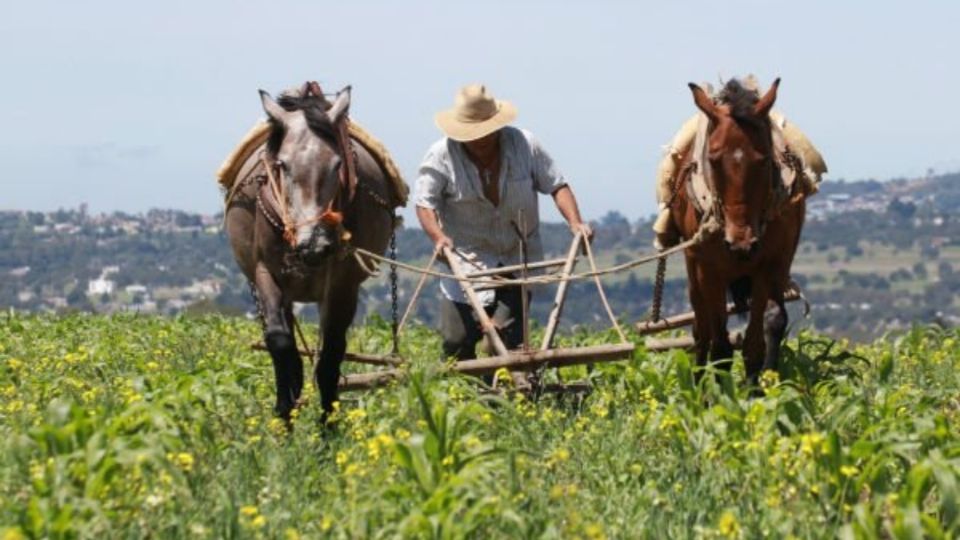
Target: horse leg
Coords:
[[701, 328], [721, 351], [278, 336], [774, 328], [296, 371], [339, 307], [753, 341]]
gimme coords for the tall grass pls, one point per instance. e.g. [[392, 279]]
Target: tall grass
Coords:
[[153, 427]]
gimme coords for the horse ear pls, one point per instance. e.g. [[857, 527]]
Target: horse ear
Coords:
[[273, 110], [762, 108], [340, 105], [703, 101]]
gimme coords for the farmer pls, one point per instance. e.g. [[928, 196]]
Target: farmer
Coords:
[[477, 188]]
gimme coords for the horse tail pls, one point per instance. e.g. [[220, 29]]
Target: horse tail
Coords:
[[740, 291]]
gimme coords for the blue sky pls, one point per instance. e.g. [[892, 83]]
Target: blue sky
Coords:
[[129, 105]]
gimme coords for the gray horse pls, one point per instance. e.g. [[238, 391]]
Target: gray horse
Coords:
[[288, 224]]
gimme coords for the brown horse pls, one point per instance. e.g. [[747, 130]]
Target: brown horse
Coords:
[[759, 229], [287, 224]]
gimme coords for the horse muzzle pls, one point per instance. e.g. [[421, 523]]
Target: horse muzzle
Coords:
[[315, 246], [741, 241]]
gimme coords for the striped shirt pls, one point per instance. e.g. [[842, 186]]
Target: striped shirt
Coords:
[[450, 184]]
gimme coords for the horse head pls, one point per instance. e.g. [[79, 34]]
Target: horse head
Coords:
[[306, 168], [740, 163]]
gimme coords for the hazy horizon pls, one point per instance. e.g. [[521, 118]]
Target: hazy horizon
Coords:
[[130, 107]]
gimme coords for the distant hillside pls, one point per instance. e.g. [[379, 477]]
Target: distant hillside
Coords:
[[875, 256]]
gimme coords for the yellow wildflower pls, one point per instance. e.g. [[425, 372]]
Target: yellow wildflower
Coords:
[[769, 378], [353, 469], [355, 415], [849, 471], [558, 456], [249, 511], [594, 531], [810, 442], [13, 533], [277, 426], [728, 525], [182, 460], [600, 410]]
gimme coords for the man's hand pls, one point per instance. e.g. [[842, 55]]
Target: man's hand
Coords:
[[443, 242], [583, 228], [431, 226]]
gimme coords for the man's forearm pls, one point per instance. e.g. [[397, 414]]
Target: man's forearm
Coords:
[[431, 225], [567, 204]]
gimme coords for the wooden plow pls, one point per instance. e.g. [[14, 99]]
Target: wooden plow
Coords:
[[528, 358]]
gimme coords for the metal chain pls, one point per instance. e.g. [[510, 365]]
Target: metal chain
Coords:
[[258, 304], [395, 321], [658, 289], [657, 306]]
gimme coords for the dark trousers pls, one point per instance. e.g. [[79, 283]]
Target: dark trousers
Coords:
[[461, 330]]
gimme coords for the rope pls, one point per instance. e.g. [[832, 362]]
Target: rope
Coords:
[[303, 340], [603, 295], [416, 292], [363, 258]]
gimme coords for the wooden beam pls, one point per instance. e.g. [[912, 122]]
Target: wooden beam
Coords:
[[684, 342], [517, 361], [686, 319], [553, 321], [486, 324]]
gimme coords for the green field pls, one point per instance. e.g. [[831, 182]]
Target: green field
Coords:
[[142, 427]]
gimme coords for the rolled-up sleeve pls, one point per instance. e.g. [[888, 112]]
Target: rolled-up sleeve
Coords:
[[430, 186], [547, 178], [431, 182]]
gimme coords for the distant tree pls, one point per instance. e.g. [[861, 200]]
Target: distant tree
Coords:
[[920, 270], [945, 270], [854, 250], [900, 209], [930, 251]]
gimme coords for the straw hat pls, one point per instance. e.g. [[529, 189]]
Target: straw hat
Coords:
[[475, 114]]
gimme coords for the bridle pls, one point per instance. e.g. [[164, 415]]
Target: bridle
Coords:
[[716, 208], [332, 214], [329, 216]]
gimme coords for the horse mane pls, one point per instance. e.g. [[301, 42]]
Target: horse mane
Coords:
[[741, 96], [314, 110]]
